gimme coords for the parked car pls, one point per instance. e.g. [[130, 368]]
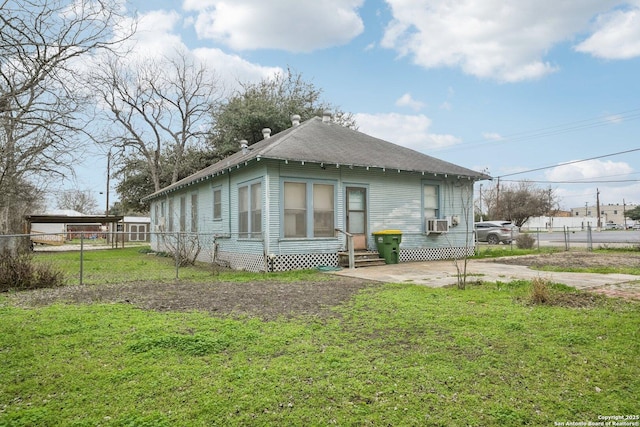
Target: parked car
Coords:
[[494, 232]]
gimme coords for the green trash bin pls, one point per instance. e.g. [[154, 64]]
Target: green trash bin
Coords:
[[388, 244]]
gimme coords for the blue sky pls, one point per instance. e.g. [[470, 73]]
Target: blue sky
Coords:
[[504, 86]]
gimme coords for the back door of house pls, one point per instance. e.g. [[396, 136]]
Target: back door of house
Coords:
[[357, 216]]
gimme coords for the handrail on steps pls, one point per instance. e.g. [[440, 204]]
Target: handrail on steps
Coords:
[[352, 257]]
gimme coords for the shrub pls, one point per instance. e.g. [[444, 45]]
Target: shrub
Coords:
[[525, 241], [19, 272], [539, 292]]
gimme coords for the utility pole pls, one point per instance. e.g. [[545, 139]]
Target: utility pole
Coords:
[[498, 213], [598, 207], [106, 211], [624, 213]]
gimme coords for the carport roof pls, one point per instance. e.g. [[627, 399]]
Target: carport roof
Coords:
[[67, 219]]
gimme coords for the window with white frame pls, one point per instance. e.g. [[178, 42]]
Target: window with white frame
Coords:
[[295, 209], [217, 204], [182, 220], [431, 201], [309, 209], [250, 210], [194, 213], [170, 215], [323, 210], [163, 216]]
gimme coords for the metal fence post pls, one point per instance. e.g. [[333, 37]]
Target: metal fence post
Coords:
[[81, 257], [177, 255]]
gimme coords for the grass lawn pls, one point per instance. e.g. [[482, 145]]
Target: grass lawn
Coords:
[[399, 354]]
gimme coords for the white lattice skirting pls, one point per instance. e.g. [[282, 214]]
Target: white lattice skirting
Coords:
[[256, 263], [433, 254]]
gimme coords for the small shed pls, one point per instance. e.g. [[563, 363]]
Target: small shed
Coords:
[[136, 228]]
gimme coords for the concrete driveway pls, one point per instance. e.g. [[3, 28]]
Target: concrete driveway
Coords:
[[443, 273]]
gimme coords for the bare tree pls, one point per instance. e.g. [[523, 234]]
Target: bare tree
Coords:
[[40, 107], [78, 200], [156, 106], [519, 201]]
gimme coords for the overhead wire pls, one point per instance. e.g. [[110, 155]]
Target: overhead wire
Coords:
[[583, 124], [568, 163]]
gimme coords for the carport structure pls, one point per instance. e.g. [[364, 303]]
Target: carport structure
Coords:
[[71, 220]]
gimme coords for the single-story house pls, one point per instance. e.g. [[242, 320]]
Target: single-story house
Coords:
[[286, 201]]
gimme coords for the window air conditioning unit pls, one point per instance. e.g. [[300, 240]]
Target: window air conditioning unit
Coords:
[[437, 226]]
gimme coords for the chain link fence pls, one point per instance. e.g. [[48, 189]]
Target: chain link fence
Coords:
[[93, 258], [104, 258]]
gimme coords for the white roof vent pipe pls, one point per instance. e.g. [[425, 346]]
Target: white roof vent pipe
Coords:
[[295, 120], [266, 133], [244, 146], [326, 116]]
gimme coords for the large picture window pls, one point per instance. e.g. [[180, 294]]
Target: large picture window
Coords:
[[250, 210], [309, 210]]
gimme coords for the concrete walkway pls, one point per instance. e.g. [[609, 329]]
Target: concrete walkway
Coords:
[[443, 273]]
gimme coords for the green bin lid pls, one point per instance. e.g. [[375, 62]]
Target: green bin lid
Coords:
[[387, 232]]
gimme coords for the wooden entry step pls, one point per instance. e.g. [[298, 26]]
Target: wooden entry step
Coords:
[[361, 258]]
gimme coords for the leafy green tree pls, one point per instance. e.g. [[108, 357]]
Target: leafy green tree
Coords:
[[634, 213], [268, 104]]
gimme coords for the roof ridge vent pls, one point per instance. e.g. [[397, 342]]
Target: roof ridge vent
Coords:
[[295, 120], [266, 133], [326, 116]]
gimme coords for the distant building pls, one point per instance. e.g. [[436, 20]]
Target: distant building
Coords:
[[609, 214]]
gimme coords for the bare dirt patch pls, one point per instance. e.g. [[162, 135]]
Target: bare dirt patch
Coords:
[[265, 299], [576, 259], [271, 299]]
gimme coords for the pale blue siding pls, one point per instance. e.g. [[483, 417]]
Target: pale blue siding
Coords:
[[394, 201]]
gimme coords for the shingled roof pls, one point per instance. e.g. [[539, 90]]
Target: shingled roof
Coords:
[[318, 141]]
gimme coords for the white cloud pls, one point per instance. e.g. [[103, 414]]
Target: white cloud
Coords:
[[615, 118], [492, 136], [158, 35], [291, 25], [617, 35], [505, 40], [411, 131], [232, 69], [407, 100], [588, 170]]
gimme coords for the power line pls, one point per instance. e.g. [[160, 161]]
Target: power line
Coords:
[[553, 130], [569, 163], [576, 182]]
